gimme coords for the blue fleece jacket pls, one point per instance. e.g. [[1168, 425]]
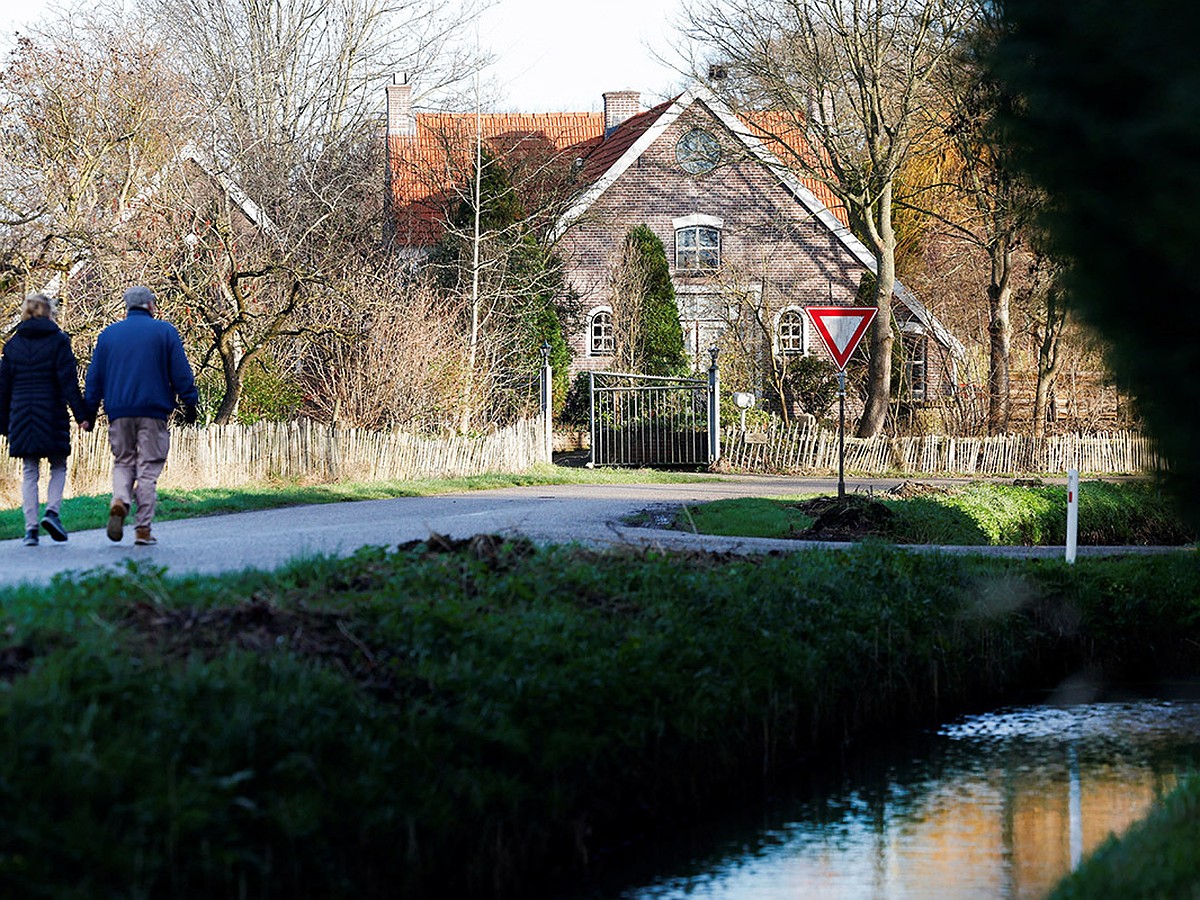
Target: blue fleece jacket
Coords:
[[138, 369]]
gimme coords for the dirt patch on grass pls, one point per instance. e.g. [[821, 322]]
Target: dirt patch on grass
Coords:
[[848, 519], [907, 489]]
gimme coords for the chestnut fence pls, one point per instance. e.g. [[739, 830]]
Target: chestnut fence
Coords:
[[800, 448], [303, 451], [306, 452]]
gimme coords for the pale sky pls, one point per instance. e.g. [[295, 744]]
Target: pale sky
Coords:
[[562, 56], [553, 55]]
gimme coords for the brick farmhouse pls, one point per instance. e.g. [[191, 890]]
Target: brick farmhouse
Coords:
[[750, 244]]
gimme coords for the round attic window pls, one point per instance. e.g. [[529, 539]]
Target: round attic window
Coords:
[[697, 152]]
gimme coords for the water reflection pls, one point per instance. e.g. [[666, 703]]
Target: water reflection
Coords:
[[998, 805]]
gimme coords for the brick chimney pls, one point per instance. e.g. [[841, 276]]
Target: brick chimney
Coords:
[[619, 106], [400, 118]]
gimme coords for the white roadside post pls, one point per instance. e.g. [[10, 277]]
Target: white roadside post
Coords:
[[1072, 514]]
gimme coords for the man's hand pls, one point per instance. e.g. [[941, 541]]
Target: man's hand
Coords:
[[85, 425], [190, 414]]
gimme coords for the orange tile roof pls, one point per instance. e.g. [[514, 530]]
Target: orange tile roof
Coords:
[[775, 129], [428, 167]]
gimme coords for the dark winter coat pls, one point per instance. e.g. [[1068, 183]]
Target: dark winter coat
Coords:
[[139, 368], [38, 380]]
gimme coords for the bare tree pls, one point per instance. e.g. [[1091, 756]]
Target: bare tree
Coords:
[[92, 111], [491, 263], [1046, 303], [854, 79], [992, 203], [393, 357], [628, 281], [291, 156]]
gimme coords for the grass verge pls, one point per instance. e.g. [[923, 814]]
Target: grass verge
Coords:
[[979, 514], [91, 511], [486, 718]]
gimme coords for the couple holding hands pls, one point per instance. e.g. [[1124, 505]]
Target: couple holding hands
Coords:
[[138, 371]]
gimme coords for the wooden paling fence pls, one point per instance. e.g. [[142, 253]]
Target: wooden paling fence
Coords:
[[809, 448], [235, 455]]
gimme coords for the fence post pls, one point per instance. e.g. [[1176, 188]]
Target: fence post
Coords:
[[714, 407]]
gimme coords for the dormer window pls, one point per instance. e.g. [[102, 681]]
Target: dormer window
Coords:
[[698, 244]]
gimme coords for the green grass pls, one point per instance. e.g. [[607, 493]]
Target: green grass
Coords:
[[1156, 858], [980, 514], [744, 517], [473, 722], [91, 511]]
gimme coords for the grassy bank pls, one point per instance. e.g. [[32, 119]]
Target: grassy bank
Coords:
[[979, 514], [91, 511], [486, 719], [1156, 858]]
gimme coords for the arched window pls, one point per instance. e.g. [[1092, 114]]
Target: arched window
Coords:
[[600, 334], [697, 248], [789, 333]]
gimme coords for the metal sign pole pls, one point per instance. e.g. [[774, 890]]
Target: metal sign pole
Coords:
[[841, 434]]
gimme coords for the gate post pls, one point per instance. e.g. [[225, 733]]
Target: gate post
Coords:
[[714, 407], [592, 419], [547, 398]]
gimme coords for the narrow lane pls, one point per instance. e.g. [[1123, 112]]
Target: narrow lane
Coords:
[[576, 513]]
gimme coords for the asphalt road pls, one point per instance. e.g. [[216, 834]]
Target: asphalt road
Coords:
[[581, 513]]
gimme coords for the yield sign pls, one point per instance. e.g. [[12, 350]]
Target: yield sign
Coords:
[[841, 328]]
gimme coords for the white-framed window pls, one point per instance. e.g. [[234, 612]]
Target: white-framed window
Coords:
[[697, 249], [916, 347], [791, 333], [698, 243], [706, 314], [600, 333]]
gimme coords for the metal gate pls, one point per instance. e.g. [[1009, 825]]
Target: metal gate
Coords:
[[643, 420]]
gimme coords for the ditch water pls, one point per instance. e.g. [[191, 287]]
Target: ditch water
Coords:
[[999, 805]]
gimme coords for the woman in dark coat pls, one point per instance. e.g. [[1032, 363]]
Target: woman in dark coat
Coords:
[[39, 379]]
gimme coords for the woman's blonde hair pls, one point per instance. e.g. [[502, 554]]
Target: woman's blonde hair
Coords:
[[37, 306]]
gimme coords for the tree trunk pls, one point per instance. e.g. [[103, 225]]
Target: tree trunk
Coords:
[[1056, 319], [232, 374], [879, 370], [1000, 333]]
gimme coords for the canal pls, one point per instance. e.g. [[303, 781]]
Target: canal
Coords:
[[997, 805]]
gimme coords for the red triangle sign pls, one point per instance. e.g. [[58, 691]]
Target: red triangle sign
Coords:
[[841, 328]]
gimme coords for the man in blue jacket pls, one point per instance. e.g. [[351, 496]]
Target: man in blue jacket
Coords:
[[138, 370]]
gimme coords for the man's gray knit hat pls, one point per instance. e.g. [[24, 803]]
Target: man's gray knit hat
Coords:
[[138, 297]]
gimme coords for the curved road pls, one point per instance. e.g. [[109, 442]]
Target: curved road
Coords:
[[583, 513]]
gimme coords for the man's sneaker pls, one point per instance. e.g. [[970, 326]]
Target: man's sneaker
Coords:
[[54, 525], [116, 520], [143, 537], [31, 538]]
